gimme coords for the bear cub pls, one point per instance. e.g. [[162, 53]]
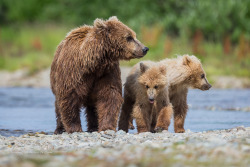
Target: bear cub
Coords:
[[146, 98]]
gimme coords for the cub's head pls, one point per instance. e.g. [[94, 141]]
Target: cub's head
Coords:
[[153, 80], [119, 40], [197, 76]]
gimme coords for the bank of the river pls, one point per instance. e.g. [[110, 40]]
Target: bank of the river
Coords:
[[212, 148], [41, 79]]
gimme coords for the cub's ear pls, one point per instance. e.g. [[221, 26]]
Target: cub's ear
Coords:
[[113, 18], [186, 60], [163, 70], [99, 23], [143, 68]]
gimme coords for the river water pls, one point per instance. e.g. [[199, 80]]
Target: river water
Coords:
[[24, 110]]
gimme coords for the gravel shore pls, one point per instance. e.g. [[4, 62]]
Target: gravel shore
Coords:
[[212, 148]]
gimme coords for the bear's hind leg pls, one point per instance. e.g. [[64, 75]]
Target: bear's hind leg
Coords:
[[92, 119], [70, 113], [59, 125]]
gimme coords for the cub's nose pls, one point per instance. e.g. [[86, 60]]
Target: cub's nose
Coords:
[[151, 100], [145, 50]]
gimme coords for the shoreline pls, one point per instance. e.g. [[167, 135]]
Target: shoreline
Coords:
[[22, 78], [229, 147]]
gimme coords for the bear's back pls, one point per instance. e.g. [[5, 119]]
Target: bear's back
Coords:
[[79, 33]]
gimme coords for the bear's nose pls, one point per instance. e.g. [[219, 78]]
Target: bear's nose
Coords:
[[206, 87], [209, 86], [145, 50]]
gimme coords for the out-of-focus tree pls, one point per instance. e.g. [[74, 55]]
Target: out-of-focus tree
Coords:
[[223, 20]]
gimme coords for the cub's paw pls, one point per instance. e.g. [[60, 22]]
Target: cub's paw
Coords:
[[180, 131], [158, 129], [131, 126]]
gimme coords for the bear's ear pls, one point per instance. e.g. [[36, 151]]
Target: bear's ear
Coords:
[[186, 60], [113, 18], [99, 23], [143, 67], [163, 70]]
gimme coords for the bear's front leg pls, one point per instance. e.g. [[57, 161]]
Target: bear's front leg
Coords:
[[164, 118], [109, 101]]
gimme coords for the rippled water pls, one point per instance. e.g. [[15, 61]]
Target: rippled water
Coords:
[[25, 110]]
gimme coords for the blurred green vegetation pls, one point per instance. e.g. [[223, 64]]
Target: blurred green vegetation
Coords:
[[218, 32]]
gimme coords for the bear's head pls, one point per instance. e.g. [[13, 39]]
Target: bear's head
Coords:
[[153, 80], [119, 39], [197, 76]]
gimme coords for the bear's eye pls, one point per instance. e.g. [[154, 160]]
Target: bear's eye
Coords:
[[156, 86], [147, 86], [130, 38], [202, 76]]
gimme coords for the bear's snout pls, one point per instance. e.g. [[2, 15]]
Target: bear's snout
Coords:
[[145, 50], [206, 87]]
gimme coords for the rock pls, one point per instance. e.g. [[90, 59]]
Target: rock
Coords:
[[240, 128], [121, 132], [165, 131], [109, 132]]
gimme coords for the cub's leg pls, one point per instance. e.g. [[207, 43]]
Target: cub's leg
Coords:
[[131, 126], [126, 117], [164, 118], [142, 115], [180, 111], [153, 122]]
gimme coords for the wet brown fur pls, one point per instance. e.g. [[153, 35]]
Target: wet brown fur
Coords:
[[183, 73], [85, 73], [139, 87]]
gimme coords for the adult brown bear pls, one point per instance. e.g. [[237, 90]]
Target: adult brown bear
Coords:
[[85, 73]]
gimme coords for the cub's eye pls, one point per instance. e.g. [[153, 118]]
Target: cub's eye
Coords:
[[156, 86], [202, 76], [147, 86], [130, 38]]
